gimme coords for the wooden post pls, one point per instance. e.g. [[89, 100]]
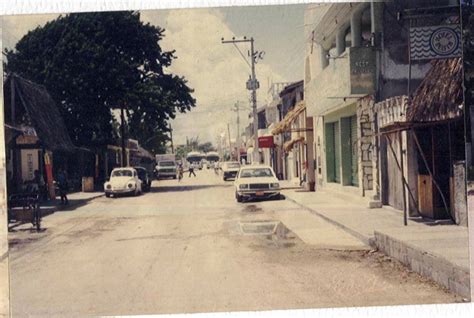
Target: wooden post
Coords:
[[402, 168], [15, 174], [122, 126]]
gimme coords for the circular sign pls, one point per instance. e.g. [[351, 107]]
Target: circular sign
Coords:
[[444, 41]]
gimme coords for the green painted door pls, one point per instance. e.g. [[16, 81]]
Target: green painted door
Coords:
[[330, 155], [354, 152], [333, 154], [337, 153]]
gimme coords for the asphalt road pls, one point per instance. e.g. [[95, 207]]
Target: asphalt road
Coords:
[[189, 247]]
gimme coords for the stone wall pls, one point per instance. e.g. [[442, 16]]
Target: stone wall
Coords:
[[366, 132], [460, 197]]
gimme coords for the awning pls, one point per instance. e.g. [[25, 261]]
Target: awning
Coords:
[[439, 96], [290, 117], [290, 144], [41, 110]]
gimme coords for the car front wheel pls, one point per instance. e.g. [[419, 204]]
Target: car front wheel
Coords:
[[238, 197]]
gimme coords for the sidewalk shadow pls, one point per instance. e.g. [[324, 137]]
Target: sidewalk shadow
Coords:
[[177, 188], [431, 222], [72, 205]]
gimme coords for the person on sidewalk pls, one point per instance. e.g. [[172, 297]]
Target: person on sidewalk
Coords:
[[41, 184], [305, 168], [180, 171], [63, 186]]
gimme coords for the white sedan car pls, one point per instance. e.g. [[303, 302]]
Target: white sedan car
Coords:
[[123, 181], [255, 182], [230, 169]]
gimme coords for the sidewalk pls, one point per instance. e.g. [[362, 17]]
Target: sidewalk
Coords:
[[289, 184], [437, 251], [76, 200]]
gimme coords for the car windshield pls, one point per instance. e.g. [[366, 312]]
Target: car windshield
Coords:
[[166, 163], [256, 173], [233, 165], [122, 173]]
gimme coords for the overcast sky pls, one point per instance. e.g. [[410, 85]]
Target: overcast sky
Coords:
[[216, 71]]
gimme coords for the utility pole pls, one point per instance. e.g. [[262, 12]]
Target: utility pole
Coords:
[[230, 143], [252, 85], [237, 109], [171, 136]]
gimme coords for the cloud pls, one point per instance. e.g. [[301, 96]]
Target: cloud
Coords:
[[214, 70], [16, 26]]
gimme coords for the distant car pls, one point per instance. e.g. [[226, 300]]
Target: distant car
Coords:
[[230, 169], [144, 178], [166, 169], [255, 182], [123, 181]]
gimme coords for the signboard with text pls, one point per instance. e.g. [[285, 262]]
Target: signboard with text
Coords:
[[265, 142], [435, 42], [362, 69]]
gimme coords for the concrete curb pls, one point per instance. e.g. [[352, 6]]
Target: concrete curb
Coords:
[[366, 240], [436, 268], [453, 277]]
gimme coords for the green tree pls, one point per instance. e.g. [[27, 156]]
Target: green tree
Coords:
[[206, 147], [92, 63]]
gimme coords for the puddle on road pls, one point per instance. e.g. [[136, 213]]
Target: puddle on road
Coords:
[[270, 232]]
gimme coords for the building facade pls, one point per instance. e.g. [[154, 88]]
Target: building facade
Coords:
[[359, 77]]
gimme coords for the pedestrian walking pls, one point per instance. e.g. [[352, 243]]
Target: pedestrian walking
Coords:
[[305, 168], [63, 186], [180, 172], [191, 170]]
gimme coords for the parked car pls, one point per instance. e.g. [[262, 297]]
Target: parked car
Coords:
[[123, 181], [230, 169], [144, 178], [255, 182]]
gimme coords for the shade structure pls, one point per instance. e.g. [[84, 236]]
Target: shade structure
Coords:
[[290, 144], [290, 117]]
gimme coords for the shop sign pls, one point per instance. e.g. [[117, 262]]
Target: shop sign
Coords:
[[265, 142], [362, 69], [435, 42]]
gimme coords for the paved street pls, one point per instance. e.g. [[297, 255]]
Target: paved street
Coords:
[[189, 247]]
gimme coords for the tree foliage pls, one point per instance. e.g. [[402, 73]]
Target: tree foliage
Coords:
[[193, 144], [92, 63]]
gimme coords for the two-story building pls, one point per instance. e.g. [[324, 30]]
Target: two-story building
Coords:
[[360, 74]]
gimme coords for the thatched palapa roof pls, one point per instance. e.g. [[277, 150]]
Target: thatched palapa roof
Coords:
[[41, 111], [440, 94], [290, 117]]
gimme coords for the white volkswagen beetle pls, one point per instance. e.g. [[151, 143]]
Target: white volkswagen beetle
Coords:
[[123, 181], [254, 182]]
